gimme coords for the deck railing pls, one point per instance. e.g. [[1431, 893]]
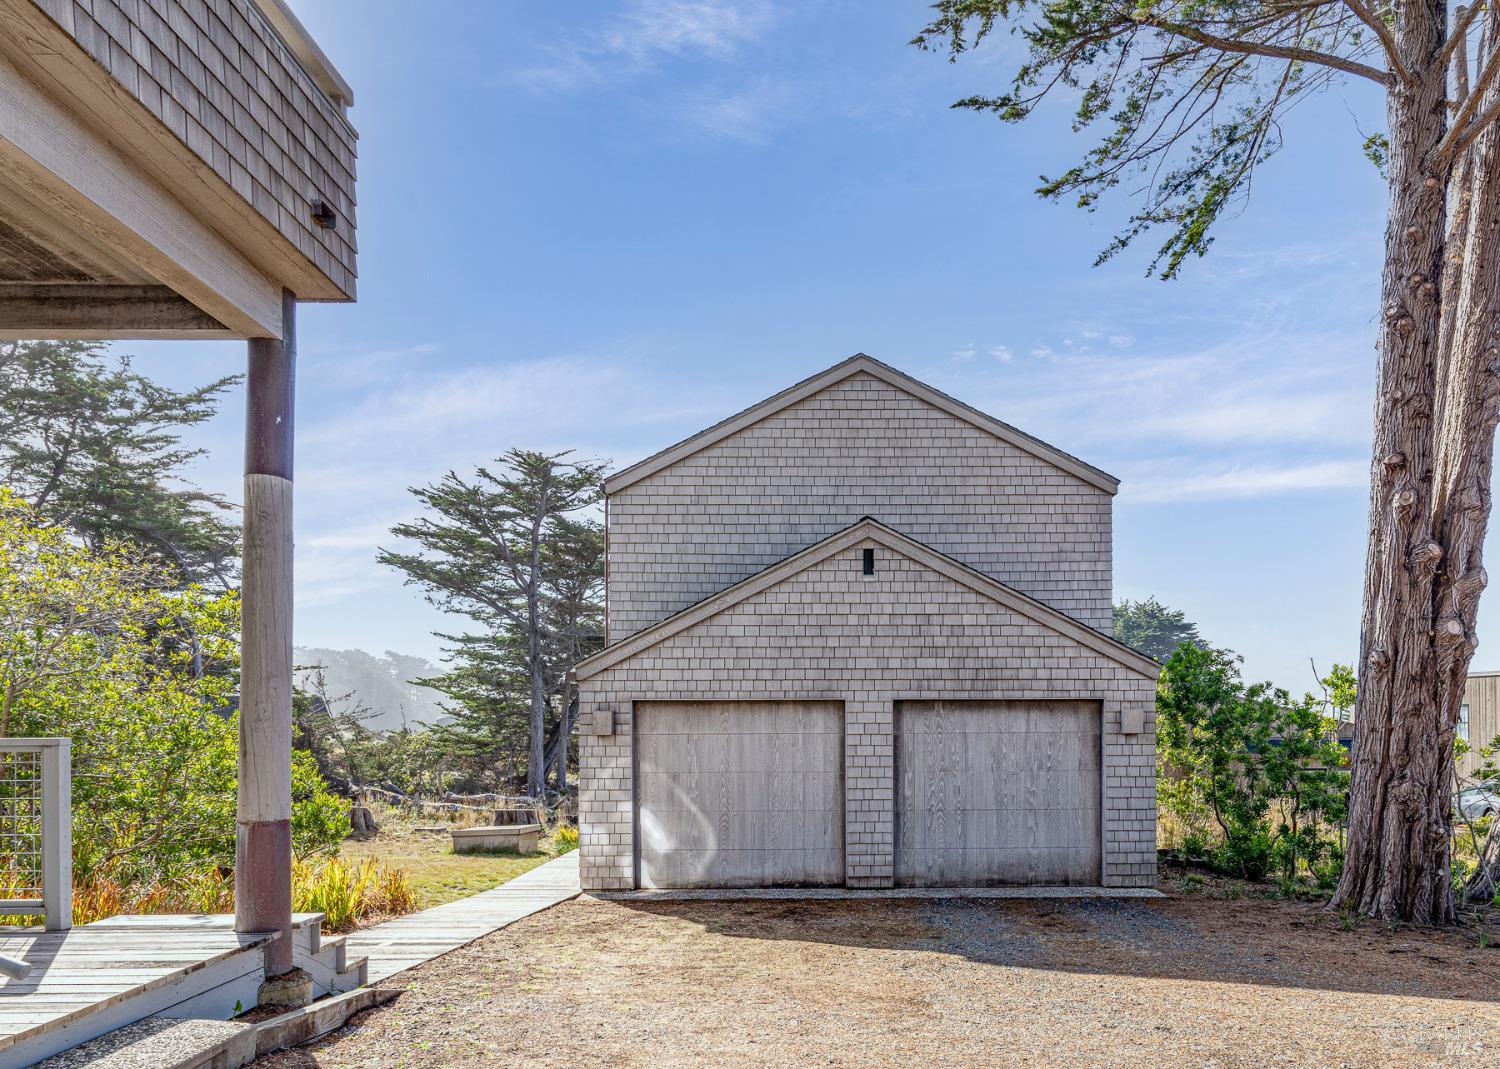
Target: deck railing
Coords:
[[36, 829]]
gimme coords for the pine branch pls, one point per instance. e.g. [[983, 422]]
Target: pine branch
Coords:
[[1463, 131], [1262, 48], [1466, 17]]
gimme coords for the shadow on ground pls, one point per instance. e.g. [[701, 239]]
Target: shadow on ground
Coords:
[[1235, 941]]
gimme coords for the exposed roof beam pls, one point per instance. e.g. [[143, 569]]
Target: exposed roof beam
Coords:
[[100, 311]]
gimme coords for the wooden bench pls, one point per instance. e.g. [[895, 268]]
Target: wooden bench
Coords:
[[519, 837]]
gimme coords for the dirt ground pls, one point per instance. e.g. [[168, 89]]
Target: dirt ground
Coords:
[[1181, 981]]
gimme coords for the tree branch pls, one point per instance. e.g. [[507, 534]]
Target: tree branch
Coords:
[[1462, 132], [1466, 17], [1469, 133], [1382, 31], [1260, 48]]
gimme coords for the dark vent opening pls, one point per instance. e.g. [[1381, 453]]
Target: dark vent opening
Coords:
[[869, 562]]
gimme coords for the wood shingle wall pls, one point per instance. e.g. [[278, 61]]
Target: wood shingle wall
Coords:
[[221, 79], [861, 447], [1482, 696], [831, 633]]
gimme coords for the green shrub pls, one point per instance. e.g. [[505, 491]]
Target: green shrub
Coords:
[[1195, 845], [1255, 775], [1246, 852], [102, 645]]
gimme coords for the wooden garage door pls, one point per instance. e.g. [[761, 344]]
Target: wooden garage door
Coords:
[[997, 793], [739, 794]]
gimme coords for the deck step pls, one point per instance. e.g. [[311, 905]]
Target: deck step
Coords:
[[100, 977], [164, 1043], [328, 961]]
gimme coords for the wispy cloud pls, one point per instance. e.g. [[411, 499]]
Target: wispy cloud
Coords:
[[750, 114], [1172, 483], [1260, 413], [646, 33], [407, 423], [711, 28]]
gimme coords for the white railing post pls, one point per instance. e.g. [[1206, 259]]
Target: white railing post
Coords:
[[57, 833], [36, 828]]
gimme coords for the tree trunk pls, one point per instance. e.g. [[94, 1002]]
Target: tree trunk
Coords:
[[1429, 502], [362, 821], [536, 764], [564, 735]]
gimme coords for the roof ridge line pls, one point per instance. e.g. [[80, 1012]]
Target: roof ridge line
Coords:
[[813, 384]]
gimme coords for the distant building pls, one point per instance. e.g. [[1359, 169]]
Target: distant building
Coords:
[[1479, 718]]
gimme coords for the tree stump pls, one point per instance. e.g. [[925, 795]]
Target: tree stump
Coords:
[[361, 821]]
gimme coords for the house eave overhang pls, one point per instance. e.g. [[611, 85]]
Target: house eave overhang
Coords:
[[86, 167], [869, 529], [839, 372]]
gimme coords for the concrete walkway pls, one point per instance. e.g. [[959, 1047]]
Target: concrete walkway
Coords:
[[409, 941]]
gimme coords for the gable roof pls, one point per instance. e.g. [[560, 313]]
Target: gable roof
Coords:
[[871, 529], [840, 371]]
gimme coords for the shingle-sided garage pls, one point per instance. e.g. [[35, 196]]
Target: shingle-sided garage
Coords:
[[867, 712]]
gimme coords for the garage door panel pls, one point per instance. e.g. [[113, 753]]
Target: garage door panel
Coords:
[[739, 794], [736, 867], [687, 826], [735, 792], [1000, 828], [996, 792], [979, 791], [760, 752], [1006, 753], [991, 866]]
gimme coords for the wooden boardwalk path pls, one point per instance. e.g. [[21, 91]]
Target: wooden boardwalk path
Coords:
[[409, 941]]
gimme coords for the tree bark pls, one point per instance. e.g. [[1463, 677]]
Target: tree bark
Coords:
[[536, 765], [1434, 434], [559, 755]]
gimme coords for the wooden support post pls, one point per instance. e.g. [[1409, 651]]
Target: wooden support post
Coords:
[[263, 841]]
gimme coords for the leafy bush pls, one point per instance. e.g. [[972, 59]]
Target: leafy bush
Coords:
[[1248, 767], [100, 645]]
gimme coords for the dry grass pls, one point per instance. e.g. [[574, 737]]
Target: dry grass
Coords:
[[351, 894], [400, 870]]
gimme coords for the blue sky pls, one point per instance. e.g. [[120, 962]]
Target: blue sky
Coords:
[[605, 226]]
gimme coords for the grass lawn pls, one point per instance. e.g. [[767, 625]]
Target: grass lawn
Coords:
[[437, 874]]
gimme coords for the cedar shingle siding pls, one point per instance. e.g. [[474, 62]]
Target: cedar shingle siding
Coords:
[[960, 512], [862, 447], [226, 84]]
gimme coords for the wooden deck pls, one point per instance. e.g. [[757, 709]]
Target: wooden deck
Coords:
[[101, 976], [409, 941]]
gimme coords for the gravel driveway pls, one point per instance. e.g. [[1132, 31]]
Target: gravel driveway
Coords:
[[1182, 981]]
